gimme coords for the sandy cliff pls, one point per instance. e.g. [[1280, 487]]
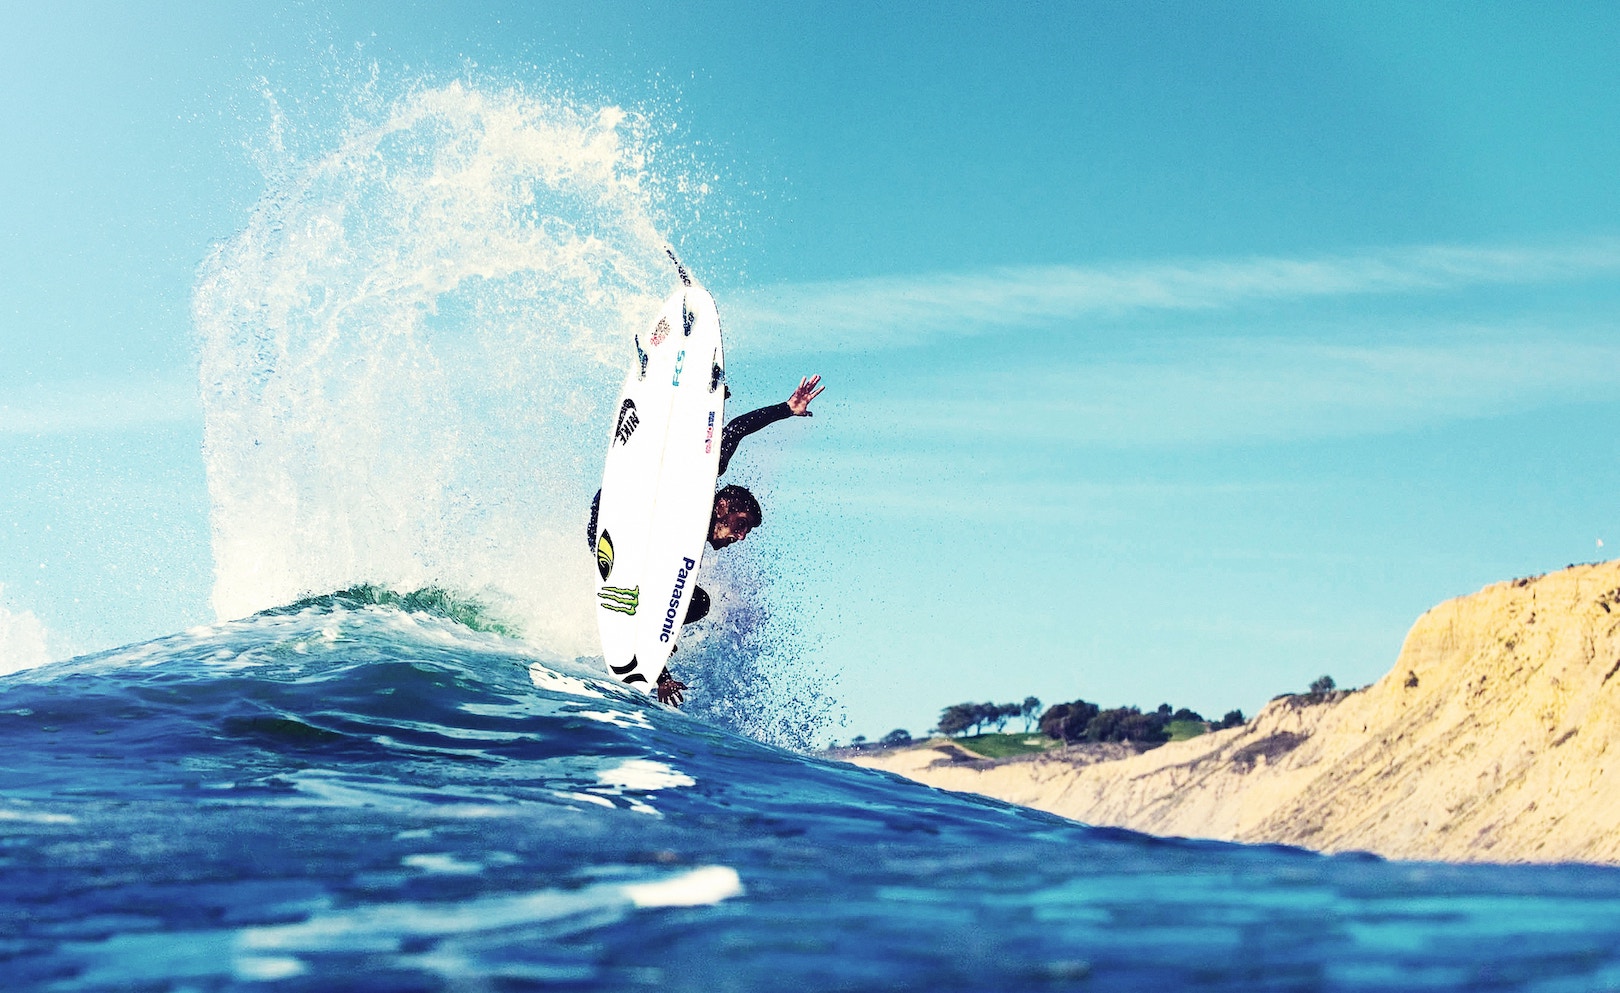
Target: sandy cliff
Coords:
[[1488, 741]]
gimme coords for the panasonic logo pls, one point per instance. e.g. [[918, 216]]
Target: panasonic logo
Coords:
[[675, 598]]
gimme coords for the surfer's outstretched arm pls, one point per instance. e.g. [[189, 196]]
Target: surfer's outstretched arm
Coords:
[[796, 405]]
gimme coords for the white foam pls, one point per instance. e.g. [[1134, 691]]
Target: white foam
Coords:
[[35, 816], [545, 679], [22, 640], [267, 968], [643, 774], [442, 863], [699, 888], [619, 718], [409, 352], [600, 801]]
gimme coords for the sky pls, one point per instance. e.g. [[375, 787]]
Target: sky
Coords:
[[1174, 352]]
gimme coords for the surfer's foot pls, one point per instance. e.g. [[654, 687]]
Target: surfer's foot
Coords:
[[670, 690]]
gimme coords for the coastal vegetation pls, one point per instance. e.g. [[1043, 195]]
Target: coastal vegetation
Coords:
[[980, 727], [1002, 746], [959, 718], [1083, 721]]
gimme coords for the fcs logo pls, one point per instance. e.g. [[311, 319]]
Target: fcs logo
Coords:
[[620, 599], [604, 555], [680, 360], [627, 424], [660, 332]]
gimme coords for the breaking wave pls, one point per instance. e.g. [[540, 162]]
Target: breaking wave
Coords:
[[408, 359]]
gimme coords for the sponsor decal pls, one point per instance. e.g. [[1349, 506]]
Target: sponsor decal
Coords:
[[620, 599], [642, 356], [716, 374], [680, 359], [687, 320], [604, 555], [660, 332], [708, 440], [685, 279], [675, 598], [628, 422]]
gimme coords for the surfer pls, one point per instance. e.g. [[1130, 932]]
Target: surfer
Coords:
[[736, 511]]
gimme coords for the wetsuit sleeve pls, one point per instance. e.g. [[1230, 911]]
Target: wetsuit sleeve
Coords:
[[741, 427]]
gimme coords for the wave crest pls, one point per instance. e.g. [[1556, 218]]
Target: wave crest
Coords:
[[469, 612]]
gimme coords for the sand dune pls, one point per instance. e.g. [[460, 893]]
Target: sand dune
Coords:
[[1489, 740]]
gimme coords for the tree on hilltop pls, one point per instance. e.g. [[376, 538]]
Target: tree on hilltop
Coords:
[[956, 718], [1029, 710], [961, 717], [1066, 722], [1081, 720]]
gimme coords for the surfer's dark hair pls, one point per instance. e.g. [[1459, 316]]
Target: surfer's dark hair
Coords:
[[740, 501]]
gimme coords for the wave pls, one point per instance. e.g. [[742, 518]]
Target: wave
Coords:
[[408, 359], [408, 353], [435, 601], [355, 794]]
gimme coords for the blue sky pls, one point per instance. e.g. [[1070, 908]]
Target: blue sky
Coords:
[[1174, 351]]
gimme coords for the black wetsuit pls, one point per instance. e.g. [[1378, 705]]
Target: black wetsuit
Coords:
[[735, 431]]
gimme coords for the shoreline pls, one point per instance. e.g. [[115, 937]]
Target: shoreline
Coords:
[[1487, 741]]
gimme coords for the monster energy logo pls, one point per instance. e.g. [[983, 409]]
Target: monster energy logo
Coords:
[[620, 599]]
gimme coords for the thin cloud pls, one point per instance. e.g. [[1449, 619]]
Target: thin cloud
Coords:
[[98, 405], [886, 312], [1259, 391]]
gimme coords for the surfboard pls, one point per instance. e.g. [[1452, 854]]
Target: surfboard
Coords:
[[663, 456]]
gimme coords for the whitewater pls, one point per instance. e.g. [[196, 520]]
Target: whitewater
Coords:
[[394, 762]]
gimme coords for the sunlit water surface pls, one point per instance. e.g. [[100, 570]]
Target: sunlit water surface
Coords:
[[370, 798]]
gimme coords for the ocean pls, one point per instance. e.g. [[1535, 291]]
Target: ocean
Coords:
[[354, 795]]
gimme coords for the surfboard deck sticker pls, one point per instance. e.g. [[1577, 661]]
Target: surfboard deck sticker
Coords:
[[663, 456]]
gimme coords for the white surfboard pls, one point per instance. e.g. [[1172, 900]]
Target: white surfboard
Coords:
[[658, 484]]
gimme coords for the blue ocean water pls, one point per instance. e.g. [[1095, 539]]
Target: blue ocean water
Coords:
[[352, 796]]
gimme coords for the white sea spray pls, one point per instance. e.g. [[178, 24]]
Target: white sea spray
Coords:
[[22, 639], [408, 352]]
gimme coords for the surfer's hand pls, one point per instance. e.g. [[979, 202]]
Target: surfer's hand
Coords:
[[808, 390], [670, 690]]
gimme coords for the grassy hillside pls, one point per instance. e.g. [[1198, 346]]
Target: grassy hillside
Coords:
[[1000, 746]]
